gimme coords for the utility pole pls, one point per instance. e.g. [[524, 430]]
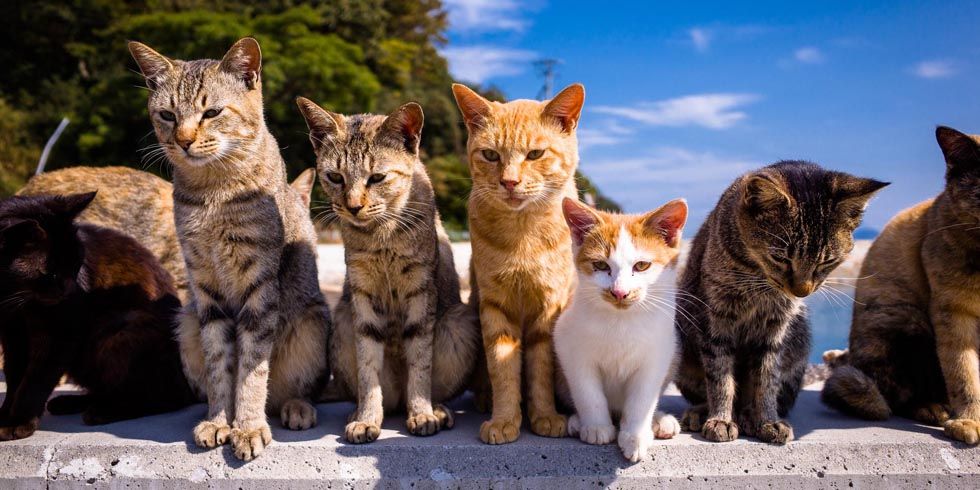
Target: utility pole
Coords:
[[546, 67]]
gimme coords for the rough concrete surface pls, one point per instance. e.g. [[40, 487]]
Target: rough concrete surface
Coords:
[[832, 451]]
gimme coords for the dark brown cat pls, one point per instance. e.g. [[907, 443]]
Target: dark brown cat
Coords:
[[88, 302]]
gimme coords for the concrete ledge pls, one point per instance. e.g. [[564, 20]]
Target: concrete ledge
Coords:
[[156, 452]]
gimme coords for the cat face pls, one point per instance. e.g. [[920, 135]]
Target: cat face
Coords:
[[39, 252], [797, 221], [204, 112], [619, 258], [523, 152], [962, 154], [366, 163]]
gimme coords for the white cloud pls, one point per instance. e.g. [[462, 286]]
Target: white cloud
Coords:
[[608, 132], [481, 62], [714, 111], [700, 38], [485, 15], [669, 165], [934, 69], [808, 54]]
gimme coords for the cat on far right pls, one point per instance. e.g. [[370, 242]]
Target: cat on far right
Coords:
[[916, 326]]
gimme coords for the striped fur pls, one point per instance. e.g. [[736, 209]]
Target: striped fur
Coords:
[[403, 338], [254, 334]]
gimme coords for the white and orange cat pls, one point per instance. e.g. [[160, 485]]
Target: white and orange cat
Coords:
[[616, 342]]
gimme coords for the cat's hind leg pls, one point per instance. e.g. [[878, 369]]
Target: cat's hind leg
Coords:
[[299, 368]]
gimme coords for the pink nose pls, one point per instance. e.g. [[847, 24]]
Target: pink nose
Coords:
[[619, 294], [509, 184]]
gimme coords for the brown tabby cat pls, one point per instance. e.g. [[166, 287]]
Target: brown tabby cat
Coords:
[[916, 328], [256, 317], [402, 339], [522, 156]]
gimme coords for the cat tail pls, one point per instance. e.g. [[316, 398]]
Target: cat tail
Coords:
[[852, 392]]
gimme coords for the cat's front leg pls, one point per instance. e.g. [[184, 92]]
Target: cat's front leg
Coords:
[[539, 355], [719, 374], [218, 342], [642, 398], [502, 344], [365, 422], [762, 418], [591, 422], [957, 342], [418, 333], [41, 373]]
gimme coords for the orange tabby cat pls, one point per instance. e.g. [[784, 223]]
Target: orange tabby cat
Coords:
[[523, 157]]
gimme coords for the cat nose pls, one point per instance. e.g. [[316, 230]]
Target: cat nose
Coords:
[[803, 289], [509, 184], [354, 209], [185, 144], [619, 294]]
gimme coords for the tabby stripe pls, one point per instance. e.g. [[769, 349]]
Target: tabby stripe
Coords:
[[491, 304], [187, 200], [415, 329], [245, 197], [212, 295], [376, 333], [537, 337], [211, 314], [260, 281], [251, 322]]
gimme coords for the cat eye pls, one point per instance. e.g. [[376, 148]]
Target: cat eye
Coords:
[[491, 155], [779, 258], [335, 178], [535, 154], [641, 266], [208, 114], [375, 178], [600, 266], [168, 116]]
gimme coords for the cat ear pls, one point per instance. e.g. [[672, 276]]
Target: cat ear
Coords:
[[244, 60], [566, 107], [580, 218], [475, 109], [304, 185], [855, 192], [19, 233], [325, 126], [667, 221], [405, 125], [73, 204], [153, 65], [960, 149], [761, 193]]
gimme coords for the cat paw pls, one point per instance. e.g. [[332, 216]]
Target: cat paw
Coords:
[[445, 416], [361, 432], [597, 434], [423, 424], [775, 432], [932, 414], [665, 426], [965, 430], [209, 435], [248, 444], [495, 431], [717, 430], [550, 425], [635, 447], [20, 431], [574, 424], [297, 414], [694, 417]]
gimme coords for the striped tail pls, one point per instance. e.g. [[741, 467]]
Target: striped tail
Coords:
[[851, 391]]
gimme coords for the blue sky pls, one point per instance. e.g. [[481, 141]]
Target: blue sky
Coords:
[[682, 99]]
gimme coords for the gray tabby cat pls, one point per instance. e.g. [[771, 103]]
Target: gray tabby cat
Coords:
[[773, 238], [403, 338], [256, 316]]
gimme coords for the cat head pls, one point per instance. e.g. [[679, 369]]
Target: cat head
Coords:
[[962, 154], [619, 258], [40, 254], [522, 152], [797, 221], [366, 163], [204, 112]]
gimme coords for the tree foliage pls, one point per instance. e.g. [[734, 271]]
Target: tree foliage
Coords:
[[69, 59]]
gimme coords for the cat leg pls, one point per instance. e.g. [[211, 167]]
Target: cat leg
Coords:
[[719, 369], [642, 397], [502, 344], [762, 418], [539, 356], [41, 374], [592, 422], [69, 404], [957, 342], [365, 423], [456, 351], [217, 341], [257, 324]]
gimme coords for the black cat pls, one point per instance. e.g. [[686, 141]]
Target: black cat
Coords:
[[88, 302]]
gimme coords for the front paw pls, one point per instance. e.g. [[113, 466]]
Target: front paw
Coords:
[[777, 432], [549, 425], [445, 416], [209, 434], [249, 443], [665, 426], [634, 446], [20, 431], [297, 414], [423, 424], [965, 430], [500, 431], [361, 432], [717, 430], [597, 434]]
